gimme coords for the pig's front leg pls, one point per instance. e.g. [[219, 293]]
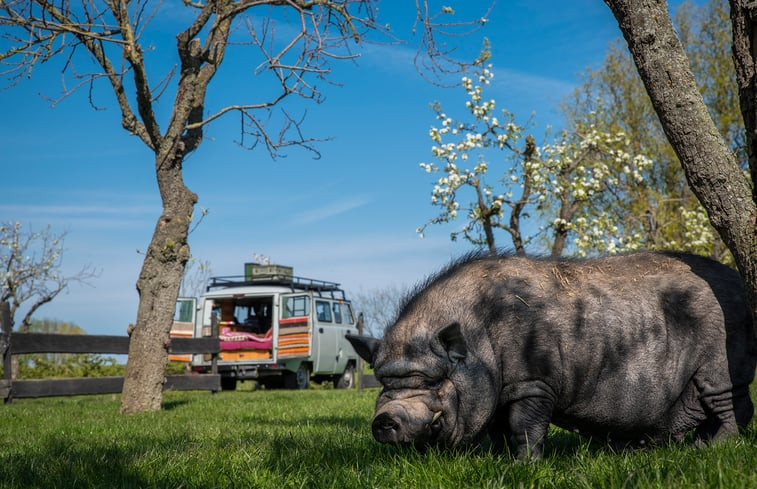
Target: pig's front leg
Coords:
[[528, 422]]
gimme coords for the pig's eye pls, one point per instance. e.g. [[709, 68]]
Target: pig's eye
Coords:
[[410, 381]]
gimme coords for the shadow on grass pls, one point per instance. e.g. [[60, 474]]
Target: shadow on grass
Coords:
[[169, 405], [62, 464]]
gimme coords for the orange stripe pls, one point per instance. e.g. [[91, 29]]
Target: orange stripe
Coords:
[[294, 337], [294, 351], [303, 319]]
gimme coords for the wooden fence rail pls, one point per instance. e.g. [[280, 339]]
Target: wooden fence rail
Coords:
[[21, 343]]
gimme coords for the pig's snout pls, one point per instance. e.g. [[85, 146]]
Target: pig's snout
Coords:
[[386, 428], [398, 428]]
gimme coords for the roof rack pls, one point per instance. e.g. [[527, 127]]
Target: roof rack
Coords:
[[294, 283]]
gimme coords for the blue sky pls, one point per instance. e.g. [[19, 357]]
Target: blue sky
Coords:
[[349, 217]]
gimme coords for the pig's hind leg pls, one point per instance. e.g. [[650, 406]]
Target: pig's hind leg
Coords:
[[727, 408]]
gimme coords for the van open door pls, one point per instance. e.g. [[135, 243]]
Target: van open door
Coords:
[[183, 324], [295, 326]]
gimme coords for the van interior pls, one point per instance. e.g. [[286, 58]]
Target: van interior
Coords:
[[245, 327]]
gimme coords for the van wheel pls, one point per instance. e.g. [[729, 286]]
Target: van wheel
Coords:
[[228, 383], [347, 379], [298, 380]]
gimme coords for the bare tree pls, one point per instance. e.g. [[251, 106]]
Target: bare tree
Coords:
[[379, 307], [295, 40], [30, 268], [711, 167], [196, 276]]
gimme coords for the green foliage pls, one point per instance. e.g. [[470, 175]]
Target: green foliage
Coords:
[[671, 215], [314, 438], [176, 368], [74, 365], [54, 326]]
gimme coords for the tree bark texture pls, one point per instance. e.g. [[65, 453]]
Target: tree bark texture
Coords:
[[162, 270], [710, 166], [744, 27]]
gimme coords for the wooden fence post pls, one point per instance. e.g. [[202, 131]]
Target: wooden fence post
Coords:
[[360, 322], [5, 351], [214, 334]]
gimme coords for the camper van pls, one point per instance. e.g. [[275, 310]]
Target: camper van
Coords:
[[273, 327]]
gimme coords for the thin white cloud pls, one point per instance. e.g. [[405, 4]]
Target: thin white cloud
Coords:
[[401, 58], [75, 210], [83, 216], [531, 84], [333, 209]]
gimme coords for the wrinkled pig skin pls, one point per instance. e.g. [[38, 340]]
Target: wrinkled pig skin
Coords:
[[633, 349]]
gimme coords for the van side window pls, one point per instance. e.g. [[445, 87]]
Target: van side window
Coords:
[[323, 311], [184, 310], [337, 312], [296, 306]]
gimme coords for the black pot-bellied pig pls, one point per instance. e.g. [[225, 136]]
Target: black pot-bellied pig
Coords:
[[637, 348]]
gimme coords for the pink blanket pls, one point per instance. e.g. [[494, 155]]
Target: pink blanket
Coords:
[[240, 340]]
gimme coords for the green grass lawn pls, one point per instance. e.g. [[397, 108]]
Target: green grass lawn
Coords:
[[314, 438]]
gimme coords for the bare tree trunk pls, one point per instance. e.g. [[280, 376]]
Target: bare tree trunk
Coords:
[[568, 209], [158, 288], [166, 258], [558, 245], [710, 166]]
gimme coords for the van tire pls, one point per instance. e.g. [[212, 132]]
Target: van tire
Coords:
[[347, 379], [298, 380]]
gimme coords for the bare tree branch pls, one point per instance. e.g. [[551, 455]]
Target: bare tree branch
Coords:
[[30, 269], [434, 58]]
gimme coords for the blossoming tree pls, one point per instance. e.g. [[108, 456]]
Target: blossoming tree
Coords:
[[579, 185]]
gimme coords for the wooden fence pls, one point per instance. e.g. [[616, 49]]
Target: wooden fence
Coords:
[[19, 343]]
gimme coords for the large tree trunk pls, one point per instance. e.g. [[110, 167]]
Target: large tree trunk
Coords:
[[710, 166], [158, 288]]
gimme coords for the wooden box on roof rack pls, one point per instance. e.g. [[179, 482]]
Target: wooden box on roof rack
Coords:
[[256, 270]]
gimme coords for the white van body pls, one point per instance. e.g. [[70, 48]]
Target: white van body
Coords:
[[275, 328]]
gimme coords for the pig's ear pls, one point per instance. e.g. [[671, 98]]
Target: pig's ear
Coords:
[[453, 341], [365, 346]]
